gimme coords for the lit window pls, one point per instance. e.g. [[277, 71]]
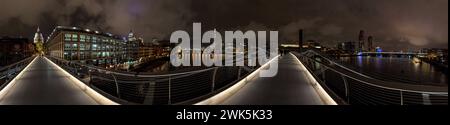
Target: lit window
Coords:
[[66, 56], [74, 46], [82, 38], [82, 47], [67, 47], [74, 37], [94, 39], [67, 37], [94, 46]]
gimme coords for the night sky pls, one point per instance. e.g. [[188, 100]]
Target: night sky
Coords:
[[395, 24]]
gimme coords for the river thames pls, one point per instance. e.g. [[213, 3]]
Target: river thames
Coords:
[[400, 69]]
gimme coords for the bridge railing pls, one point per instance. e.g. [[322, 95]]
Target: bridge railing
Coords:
[[372, 74], [163, 89], [351, 87], [9, 72]]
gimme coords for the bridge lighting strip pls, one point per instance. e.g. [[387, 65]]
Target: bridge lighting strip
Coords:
[[86, 89], [13, 82], [322, 93], [222, 96]]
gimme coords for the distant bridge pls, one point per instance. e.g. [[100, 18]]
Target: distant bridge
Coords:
[[393, 53]]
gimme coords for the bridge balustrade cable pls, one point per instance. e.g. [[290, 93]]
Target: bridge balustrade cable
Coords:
[[372, 74], [7, 73], [156, 89], [351, 87]]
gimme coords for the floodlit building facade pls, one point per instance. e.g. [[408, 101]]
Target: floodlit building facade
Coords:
[[86, 46]]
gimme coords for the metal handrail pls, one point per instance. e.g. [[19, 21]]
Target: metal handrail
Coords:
[[390, 85], [10, 71], [176, 88], [385, 88], [372, 75], [137, 75], [14, 64]]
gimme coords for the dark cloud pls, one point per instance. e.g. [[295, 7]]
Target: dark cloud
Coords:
[[149, 18], [403, 24]]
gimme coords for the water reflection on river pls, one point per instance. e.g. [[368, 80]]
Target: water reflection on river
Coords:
[[398, 68], [163, 66]]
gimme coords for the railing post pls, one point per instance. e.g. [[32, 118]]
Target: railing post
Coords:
[[8, 73], [347, 94], [401, 97], [323, 74], [214, 79], [76, 70], [239, 73], [170, 99], [15, 69], [426, 99], [150, 94], [90, 77], [117, 85]]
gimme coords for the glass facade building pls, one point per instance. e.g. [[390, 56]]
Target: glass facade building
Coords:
[[86, 46]]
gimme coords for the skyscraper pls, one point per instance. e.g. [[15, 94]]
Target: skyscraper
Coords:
[[361, 41], [370, 44]]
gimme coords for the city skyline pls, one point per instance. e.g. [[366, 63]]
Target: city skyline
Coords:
[[393, 24], [220, 55]]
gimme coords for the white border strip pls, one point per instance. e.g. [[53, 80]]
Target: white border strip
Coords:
[[222, 96], [86, 89], [322, 93], [13, 82]]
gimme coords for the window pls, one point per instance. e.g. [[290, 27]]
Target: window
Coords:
[[94, 46], [74, 46], [74, 56], [82, 47], [67, 47], [87, 47], [74, 37], [99, 54], [82, 55], [66, 56], [94, 55], [82, 38], [67, 37], [94, 39], [88, 38]]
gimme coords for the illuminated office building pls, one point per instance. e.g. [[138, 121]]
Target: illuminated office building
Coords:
[[132, 48], [86, 46]]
